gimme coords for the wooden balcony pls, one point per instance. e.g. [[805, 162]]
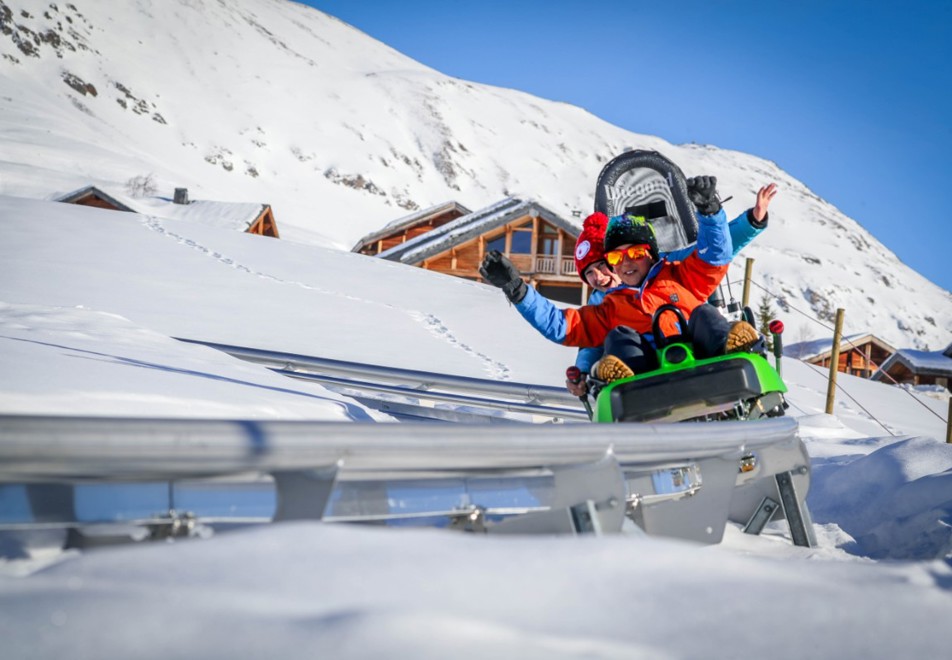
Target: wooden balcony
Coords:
[[558, 266]]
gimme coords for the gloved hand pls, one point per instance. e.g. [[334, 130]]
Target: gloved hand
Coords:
[[702, 191], [499, 271]]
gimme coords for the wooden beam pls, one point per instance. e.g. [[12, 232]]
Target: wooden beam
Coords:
[[558, 252], [534, 251], [748, 269], [834, 359]]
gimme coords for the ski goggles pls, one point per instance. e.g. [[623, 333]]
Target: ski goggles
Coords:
[[614, 257]]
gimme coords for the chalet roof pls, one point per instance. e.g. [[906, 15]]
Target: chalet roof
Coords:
[[121, 202], [409, 221], [820, 348], [226, 215], [924, 363], [470, 226]]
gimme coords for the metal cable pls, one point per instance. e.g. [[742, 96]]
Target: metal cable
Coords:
[[830, 328], [853, 399]]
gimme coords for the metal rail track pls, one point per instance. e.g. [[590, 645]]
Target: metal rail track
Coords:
[[409, 386], [595, 478]]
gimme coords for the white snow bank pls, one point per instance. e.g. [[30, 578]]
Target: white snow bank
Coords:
[[78, 361], [896, 502], [302, 590]]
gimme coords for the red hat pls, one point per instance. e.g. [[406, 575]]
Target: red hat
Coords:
[[588, 247]]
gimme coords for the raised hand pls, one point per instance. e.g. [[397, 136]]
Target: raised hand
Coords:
[[499, 271], [702, 191], [764, 197]]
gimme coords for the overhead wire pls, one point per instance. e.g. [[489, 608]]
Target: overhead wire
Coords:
[[838, 387]]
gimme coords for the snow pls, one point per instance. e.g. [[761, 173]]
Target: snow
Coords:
[[934, 361], [341, 134], [273, 102], [106, 365], [811, 349], [424, 594], [91, 303]]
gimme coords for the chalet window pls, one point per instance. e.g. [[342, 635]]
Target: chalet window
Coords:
[[498, 243], [548, 239], [521, 241]]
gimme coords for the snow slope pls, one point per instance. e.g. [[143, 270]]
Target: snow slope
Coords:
[[270, 101], [90, 302]]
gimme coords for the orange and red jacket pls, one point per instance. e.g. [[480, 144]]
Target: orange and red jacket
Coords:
[[684, 284]]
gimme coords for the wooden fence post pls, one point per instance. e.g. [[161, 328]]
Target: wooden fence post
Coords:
[[948, 427], [834, 360], [748, 269]]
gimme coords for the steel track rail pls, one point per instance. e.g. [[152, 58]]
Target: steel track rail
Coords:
[[35, 449], [553, 402], [555, 413]]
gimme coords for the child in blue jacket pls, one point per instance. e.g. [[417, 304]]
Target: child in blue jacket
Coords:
[[594, 270]]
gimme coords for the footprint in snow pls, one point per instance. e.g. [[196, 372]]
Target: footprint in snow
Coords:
[[155, 225], [496, 370]]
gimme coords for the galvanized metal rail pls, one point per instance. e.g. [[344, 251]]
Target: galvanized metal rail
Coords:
[[662, 477], [551, 403], [34, 448]]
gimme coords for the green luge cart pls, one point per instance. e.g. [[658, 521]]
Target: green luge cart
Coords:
[[736, 386]]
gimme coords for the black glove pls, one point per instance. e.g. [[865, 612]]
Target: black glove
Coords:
[[499, 271], [702, 191]]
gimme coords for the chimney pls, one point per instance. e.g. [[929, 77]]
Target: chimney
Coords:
[[181, 196]]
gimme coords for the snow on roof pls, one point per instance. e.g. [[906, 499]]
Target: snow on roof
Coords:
[[118, 200], [931, 363], [225, 215], [470, 226], [807, 350], [409, 221]]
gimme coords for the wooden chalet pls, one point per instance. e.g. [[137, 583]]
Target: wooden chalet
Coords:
[[249, 217], [860, 355], [93, 196], [264, 223], [452, 240], [401, 230], [918, 368]]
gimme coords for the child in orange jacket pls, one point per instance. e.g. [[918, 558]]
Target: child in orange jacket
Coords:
[[622, 321]]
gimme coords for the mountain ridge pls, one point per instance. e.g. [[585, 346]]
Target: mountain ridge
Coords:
[[271, 101]]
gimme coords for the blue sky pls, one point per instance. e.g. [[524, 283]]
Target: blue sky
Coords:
[[852, 98]]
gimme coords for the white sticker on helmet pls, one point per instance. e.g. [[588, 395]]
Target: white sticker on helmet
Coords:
[[582, 249]]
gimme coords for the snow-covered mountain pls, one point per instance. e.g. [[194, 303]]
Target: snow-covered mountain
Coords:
[[271, 101]]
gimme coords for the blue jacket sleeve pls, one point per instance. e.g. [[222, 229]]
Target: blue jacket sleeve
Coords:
[[596, 297], [680, 254], [542, 315], [742, 230], [713, 239], [587, 357]]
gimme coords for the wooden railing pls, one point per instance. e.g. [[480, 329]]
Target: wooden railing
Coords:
[[551, 265]]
